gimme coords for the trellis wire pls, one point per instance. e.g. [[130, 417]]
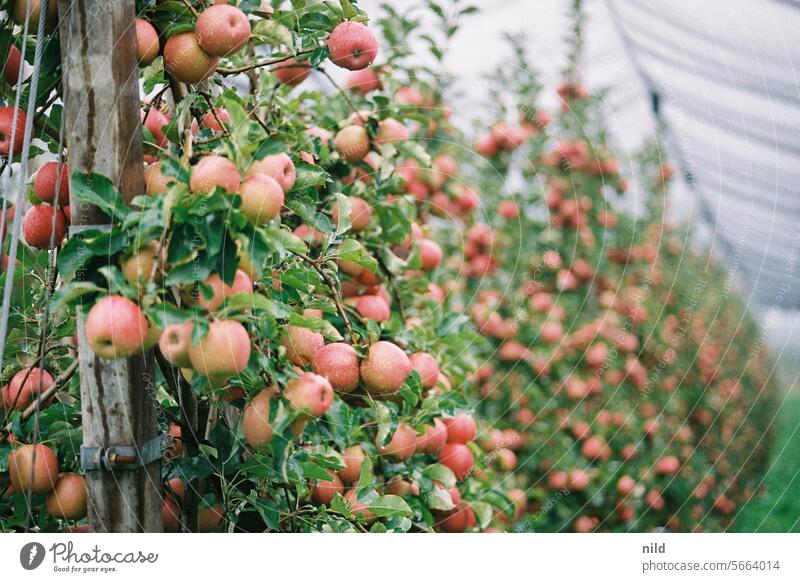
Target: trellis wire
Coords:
[[23, 176]]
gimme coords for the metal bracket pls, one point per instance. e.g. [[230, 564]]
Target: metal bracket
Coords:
[[121, 457]]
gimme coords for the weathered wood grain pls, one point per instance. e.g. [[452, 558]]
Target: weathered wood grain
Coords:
[[103, 136]]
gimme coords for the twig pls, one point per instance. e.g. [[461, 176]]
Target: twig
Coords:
[[210, 103], [225, 71], [58, 383], [392, 286], [337, 299], [39, 357], [45, 107], [154, 102], [191, 8], [178, 93], [201, 142], [344, 94]]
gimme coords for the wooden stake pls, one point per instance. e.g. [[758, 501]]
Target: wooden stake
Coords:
[[101, 85]]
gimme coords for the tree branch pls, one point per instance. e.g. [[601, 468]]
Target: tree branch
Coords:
[[337, 299], [225, 71], [58, 383]]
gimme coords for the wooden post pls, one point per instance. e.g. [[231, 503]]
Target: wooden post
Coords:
[[103, 136]]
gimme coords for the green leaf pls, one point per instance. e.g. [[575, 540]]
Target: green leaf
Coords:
[[80, 249], [312, 470], [416, 151], [440, 473], [365, 476], [267, 509], [309, 176], [164, 314], [439, 499], [73, 290], [256, 301], [499, 501], [269, 147], [384, 418], [98, 191], [289, 241], [348, 9], [353, 251], [390, 506], [329, 458], [343, 211], [273, 32], [412, 390], [483, 513], [339, 505]]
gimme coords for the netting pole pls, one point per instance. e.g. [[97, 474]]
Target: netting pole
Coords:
[[101, 94]]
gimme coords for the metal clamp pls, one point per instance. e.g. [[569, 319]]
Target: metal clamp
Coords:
[[121, 457]]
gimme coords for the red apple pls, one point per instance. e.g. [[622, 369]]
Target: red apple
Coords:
[[458, 520], [323, 492], [262, 198], [223, 351], [461, 428], [214, 171], [13, 64], [34, 468], [175, 341], [433, 439], [391, 130], [68, 499], [309, 393], [147, 44], [373, 307], [352, 143], [222, 30], [385, 369], [301, 344], [26, 385], [363, 81], [116, 327], [155, 181], [292, 72], [255, 420], [353, 459], [425, 365], [47, 181], [430, 253], [21, 10], [221, 291], [458, 458], [668, 465], [402, 444], [213, 120], [625, 485], [37, 226], [9, 126], [277, 166], [338, 362], [352, 46], [360, 213], [155, 121], [186, 61], [359, 508]]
